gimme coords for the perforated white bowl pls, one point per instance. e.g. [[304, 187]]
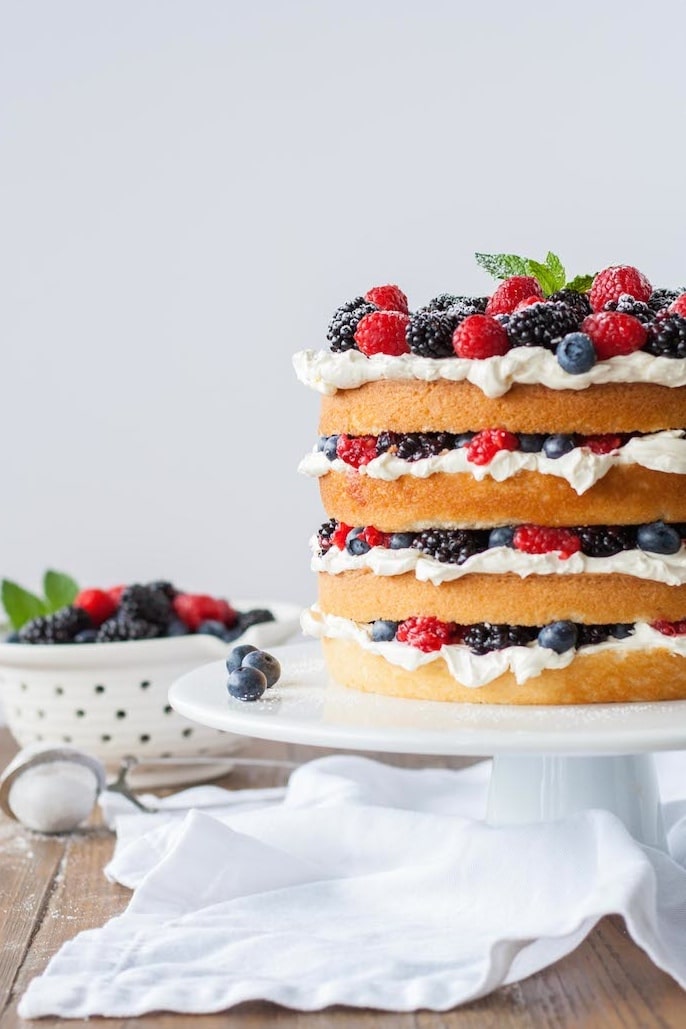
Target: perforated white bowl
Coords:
[[110, 699]]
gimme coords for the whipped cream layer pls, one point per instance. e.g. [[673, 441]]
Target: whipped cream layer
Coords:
[[666, 568], [660, 451], [476, 670], [327, 372]]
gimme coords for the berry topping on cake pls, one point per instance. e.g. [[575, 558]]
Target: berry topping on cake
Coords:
[[484, 637], [542, 539], [459, 305], [430, 333], [374, 537], [356, 450], [340, 535], [610, 283], [427, 633], [558, 636], [325, 534], [382, 332], [541, 325], [501, 536], [355, 543], [480, 336], [606, 540], [558, 445], [627, 305], [345, 320], [670, 628], [575, 353], [578, 301], [604, 444], [662, 298], [511, 292], [383, 630], [658, 538], [99, 605], [667, 337], [679, 306], [614, 333], [592, 635], [453, 546], [487, 443], [387, 298]]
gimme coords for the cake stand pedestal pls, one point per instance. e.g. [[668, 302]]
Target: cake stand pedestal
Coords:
[[549, 762]]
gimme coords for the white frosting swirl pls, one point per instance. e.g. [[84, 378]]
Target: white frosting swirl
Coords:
[[326, 372], [660, 451], [667, 568], [479, 669]]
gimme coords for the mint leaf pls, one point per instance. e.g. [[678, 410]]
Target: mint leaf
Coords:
[[501, 266], [580, 283], [543, 274], [557, 270], [60, 590], [20, 605]]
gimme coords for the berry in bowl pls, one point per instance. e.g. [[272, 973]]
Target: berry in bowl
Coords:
[[91, 668]]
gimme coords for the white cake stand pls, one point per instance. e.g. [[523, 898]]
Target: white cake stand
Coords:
[[548, 761]]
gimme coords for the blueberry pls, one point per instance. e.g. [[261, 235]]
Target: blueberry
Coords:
[[531, 442], [463, 439], [354, 543], [658, 538], [235, 658], [12, 637], [321, 442], [211, 627], [558, 636], [383, 630], [622, 630], [400, 540], [557, 446], [247, 684], [503, 536], [329, 448], [177, 628], [86, 636], [265, 663], [576, 353]]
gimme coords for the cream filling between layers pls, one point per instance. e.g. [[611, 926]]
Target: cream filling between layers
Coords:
[[660, 451], [326, 371], [666, 568], [476, 670]]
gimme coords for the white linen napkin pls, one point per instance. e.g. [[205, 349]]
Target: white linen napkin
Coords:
[[362, 884]]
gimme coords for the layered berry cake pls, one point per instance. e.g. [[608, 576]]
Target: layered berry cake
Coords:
[[505, 484]]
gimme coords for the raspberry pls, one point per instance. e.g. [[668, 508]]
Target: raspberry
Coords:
[[194, 608], [115, 592], [610, 283], [679, 306], [604, 444], [340, 535], [374, 537], [427, 633], [667, 337], [344, 323], [670, 628], [356, 450], [511, 291], [430, 333], [487, 443], [382, 332], [225, 614], [540, 539], [325, 535], [387, 298], [98, 604], [614, 333], [528, 302], [480, 336], [542, 324]]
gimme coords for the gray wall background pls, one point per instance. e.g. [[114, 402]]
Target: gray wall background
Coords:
[[189, 187]]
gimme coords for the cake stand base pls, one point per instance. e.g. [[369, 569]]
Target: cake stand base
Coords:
[[549, 762], [542, 788]]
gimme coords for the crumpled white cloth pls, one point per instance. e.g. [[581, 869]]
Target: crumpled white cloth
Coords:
[[361, 884]]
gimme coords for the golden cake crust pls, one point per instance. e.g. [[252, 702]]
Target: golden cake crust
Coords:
[[626, 495], [536, 600], [442, 406], [602, 678]]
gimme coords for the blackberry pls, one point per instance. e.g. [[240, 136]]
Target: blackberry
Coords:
[[147, 604], [162, 586], [606, 540], [324, 534], [661, 298], [542, 324], [667, 337], [386, 440], [578, 301], [484, 637], [416, 445], [453, 546], [61, 627], [344, 323], [430, 333], [588, 635], [122, 628], [461, 305], [257, 616], [626, 304]]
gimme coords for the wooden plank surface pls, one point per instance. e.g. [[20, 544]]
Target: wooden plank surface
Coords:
[[51, 888]]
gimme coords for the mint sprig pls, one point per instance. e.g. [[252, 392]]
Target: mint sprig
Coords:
[[21, 605], [550, 275]]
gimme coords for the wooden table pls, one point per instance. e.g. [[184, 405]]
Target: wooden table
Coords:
[[53, 887]]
